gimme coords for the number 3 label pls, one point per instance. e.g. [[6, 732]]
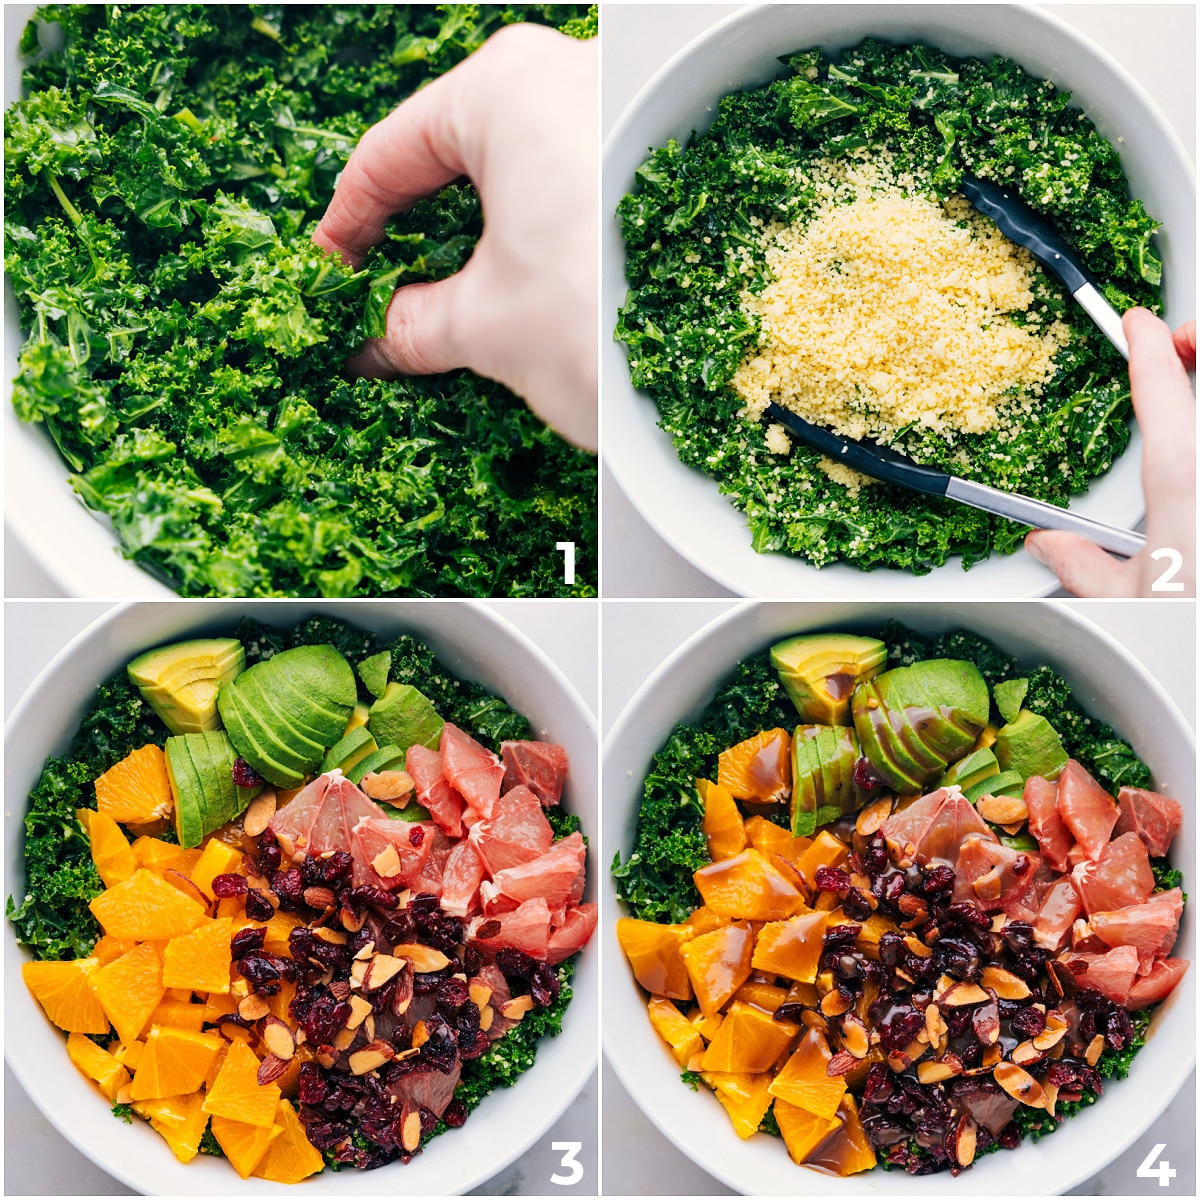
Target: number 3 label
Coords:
[[1162, 1171], [575, 1167], [1174, 561]]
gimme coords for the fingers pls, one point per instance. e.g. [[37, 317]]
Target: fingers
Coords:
[[1185, 345], [424, 328], [411, 153], [1156, 376], [1081, 566]]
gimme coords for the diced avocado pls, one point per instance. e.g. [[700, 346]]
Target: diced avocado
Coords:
[[1030, 747], [1009, 696], [1007, 783], [247, 741], [976, 767], [386, 758], [819, 671], [404, 717], [359, 716], [190, 809], [808, 786], [352, 749], [180, 682], [913, 722], [986, 739], [373, 672], [411, 812]]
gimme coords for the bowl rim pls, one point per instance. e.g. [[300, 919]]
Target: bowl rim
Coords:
[[659, 517], [583, 1062], [618, 979]]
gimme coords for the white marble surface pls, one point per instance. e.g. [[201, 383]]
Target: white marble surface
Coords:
[[37, 1159], [637, 636], [1156, 43]]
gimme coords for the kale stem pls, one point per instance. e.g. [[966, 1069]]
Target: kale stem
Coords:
[[72, 212]]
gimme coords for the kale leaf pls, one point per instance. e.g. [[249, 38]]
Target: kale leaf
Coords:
[[163, 176]]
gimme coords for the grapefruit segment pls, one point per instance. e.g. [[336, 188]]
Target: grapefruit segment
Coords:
[[573, 934], [540, 766], [516, 833], [471, 769]]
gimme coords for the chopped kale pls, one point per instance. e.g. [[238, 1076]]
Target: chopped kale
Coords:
[[692, 1079], [563, 823], [1166, 876], [692, 231], [123, 1112], [164, 173]]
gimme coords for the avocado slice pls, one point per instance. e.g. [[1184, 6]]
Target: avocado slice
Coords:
[[1009, 695], [190, 805], [327, 721], [359, 716], [373, 672], [412, 812], [352, 749], [1030, 746], [287, 723], [180, 682], [808, 784], [404, 717], [975, 768], [221, 756], [248, 741], [870, 724], [819, 672], [321, 674], [208, 774], [837, 749], [386, 758], [1006, 783]]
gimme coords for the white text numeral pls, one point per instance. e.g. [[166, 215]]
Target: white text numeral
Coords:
[[1164, 582], [1162, 1171], [570, 1149], [568, 552]]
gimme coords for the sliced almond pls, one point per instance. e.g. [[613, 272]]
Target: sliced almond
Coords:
[[517, 1007], [985, 1021], [873, 816], [486, 1015], [420, 1034], [1027, 1054], [271, 1068], [366, 951], [239, 988], [811, 1019], [935, 1072], [325, 1057], [386, 864], [185, 885], [1094, 1049], [1019, 1084], [259, 811], [989, 886], [423, 958], [358, 972], [279, 1039], [332, 937], [480, 994], [935, 1026], [1002, 810], [854, 1036], [380, 969], [253, 1008], [386, 785], [369, 1027], [1049, 1038], [964, 1141], [1004, 983], [319, 897], [370, 1058], [840, 1064], [359, 1008], [943, 985], [833, 1004], [962, 994], [1051, 1091], [991, 1056], [344, 1038], [916, 946], [352, 922], [410, 1128]]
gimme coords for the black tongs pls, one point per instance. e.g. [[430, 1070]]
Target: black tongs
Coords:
[[882, 462]]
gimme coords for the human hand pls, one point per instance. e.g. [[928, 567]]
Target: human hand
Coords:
[[1166, 413], [518, 118]]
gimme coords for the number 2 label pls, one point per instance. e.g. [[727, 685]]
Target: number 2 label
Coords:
[[1164, 582], [570, 1149]]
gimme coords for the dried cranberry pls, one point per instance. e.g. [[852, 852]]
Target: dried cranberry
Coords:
[[312, 1084], [246, 940], [452, 993], [958, 957], [289, 887], [269, 854], [514, 963], [258, 967], [937, 880], [478, 1047], [466, 1022], [878, 1086], [543, 985], [400, 928], [367, 894], [325, 1017], [1120, 1030], [416, 835], [866, 777], [1029, 1022], [472, 961], [455, 1114], [258, 907], [1010, 1136], [901, 1029], [321, 1131], [832, 879], [224, 886], [841, 937], [335, 867], [891, 950], [244, 775], [423, 906], [855, 905], [971, 914]]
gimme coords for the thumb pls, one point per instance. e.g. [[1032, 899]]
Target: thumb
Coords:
[[1081, 566], [424, 333]]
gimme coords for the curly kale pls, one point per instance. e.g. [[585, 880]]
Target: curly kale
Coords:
[[1166, 876], [656, 879], [693, 243], [164, 173]]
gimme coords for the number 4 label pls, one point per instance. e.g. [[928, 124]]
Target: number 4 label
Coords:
[[570, 1149], [1162, 1171]]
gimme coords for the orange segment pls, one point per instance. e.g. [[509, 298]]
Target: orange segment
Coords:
[[109, 948], [236, 1094], [200, 960], [215, 859], [762, 995], [130, 988], [290, 1157], [768, 838], [749, 1041], [179, 1014], [675, 1029], [180, 1120], [759, 769], [137, 788], [653, 953], [217, 1005], [748, 887], [110, 849], [846, 1150], [802, 1131], [792, 948], [96, 1063], [704, 920], [64, 990], [744, 1096], [723, 827], [156, 855], [826, 851], [706, 1027], [718, 963], [145, 907], [128, 1056], [244, 1144], [174, 1063], [804, 1080]]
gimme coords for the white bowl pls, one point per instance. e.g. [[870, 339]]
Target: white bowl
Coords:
[[1109, 684], [684, 506], [475, 644]]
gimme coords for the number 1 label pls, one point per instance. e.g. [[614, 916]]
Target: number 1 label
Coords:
[[568, 552]]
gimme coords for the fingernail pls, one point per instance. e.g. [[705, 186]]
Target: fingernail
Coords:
[[1034, 547]]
